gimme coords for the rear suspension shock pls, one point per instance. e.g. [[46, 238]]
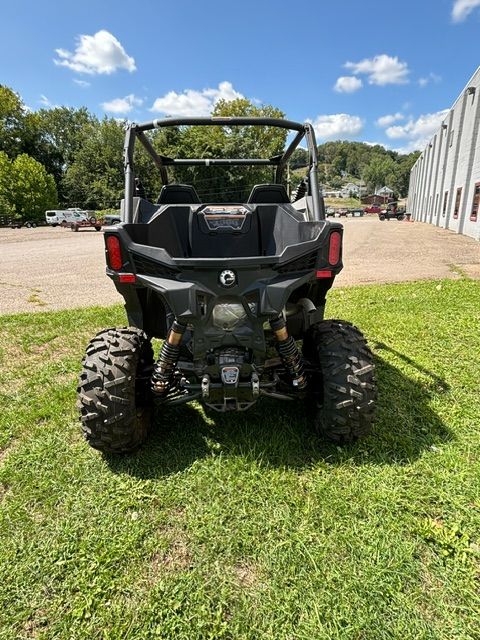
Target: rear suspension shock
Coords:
[[288, 352], [164, 368]]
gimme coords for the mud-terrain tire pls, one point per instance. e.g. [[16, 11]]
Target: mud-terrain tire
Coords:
[[343, 383], [113, 390]]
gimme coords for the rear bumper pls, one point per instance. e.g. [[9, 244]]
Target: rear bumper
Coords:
[[190, 288]]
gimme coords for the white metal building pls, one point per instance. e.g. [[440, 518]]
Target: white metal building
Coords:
[[445, 181]]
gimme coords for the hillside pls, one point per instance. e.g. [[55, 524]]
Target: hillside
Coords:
[[342, 161]]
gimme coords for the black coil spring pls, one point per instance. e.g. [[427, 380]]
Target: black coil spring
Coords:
[[292, 360], [165, 366]]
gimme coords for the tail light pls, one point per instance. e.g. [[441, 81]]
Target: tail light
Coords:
[[127, 278], [114, 253], [334, 248]]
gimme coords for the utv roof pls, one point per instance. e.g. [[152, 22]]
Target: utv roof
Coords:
[[303, 130]]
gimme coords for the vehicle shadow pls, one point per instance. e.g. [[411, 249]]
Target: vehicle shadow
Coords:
[[282, 434]]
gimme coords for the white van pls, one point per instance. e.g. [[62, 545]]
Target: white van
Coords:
[[55, 217]]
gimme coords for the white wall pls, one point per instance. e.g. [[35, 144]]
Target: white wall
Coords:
[[450, 161]]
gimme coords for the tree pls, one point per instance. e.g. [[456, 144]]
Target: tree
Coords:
[[33, 190], [59, 135], [12, 122], [402, 177], [231, 183], [377, 171], [299, 159], [336, 182], [7, 207], [95, 178], [373, 163]]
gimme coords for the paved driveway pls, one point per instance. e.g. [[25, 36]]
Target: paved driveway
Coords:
[[44, 268]]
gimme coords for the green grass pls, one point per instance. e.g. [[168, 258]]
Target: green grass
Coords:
[[344, 203], [248, 526]]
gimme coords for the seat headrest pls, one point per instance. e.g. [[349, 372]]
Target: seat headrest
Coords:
[[178, 194], [268, 194]]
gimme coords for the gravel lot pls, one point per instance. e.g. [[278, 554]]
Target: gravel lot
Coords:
[[45, 268]]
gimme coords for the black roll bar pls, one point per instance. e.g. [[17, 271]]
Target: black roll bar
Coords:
[[137, 131], [205, 162], [221, 121]]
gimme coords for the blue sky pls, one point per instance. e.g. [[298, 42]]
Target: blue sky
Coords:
[[376, 71]]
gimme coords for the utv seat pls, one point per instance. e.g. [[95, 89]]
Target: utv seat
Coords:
[[178, 194], [268, 194]]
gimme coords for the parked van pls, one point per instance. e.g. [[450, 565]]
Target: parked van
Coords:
[[54, 217]]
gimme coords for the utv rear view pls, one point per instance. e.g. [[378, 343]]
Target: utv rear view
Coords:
[[237, 293]]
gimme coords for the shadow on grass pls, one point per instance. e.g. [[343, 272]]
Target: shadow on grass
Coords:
[[281, 433]]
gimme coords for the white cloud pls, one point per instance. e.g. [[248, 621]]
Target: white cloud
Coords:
[[337, 126], [410, 147], [462, 8], [81, 83], [424, 125], [348, 84], [381, 70], [375, 144], [417, 132], [194, 103], [101, 53], [389, 119], [45, 102], [431, 78], [122, 105]]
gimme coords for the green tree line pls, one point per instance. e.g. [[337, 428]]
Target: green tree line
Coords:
[[375, 165], [62, 156]]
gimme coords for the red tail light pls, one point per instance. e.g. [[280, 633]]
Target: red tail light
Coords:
[[324, 273], [127, 278], [114, 253], [334, 248]]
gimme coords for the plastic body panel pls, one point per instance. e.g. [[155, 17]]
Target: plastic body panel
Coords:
[[288, 254]]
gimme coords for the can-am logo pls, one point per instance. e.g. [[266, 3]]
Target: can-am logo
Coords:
[[227, 278]]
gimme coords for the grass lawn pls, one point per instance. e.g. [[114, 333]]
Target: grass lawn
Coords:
[[344, 203], [248, 526]]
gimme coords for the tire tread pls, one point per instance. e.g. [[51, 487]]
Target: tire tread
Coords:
[[110, 419], [346, 401]]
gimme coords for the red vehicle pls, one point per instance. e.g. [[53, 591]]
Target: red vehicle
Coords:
[[86, 224], [373, 208]]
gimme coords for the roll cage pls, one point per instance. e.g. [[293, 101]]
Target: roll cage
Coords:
[[280, 161]]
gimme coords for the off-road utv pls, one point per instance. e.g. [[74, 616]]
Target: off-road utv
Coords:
[[392, 211], [232, 289]]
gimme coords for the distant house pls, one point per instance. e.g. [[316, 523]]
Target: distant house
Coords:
[[332, 194], [381, 196], [350, 190], [376, 199], [384, 191]]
